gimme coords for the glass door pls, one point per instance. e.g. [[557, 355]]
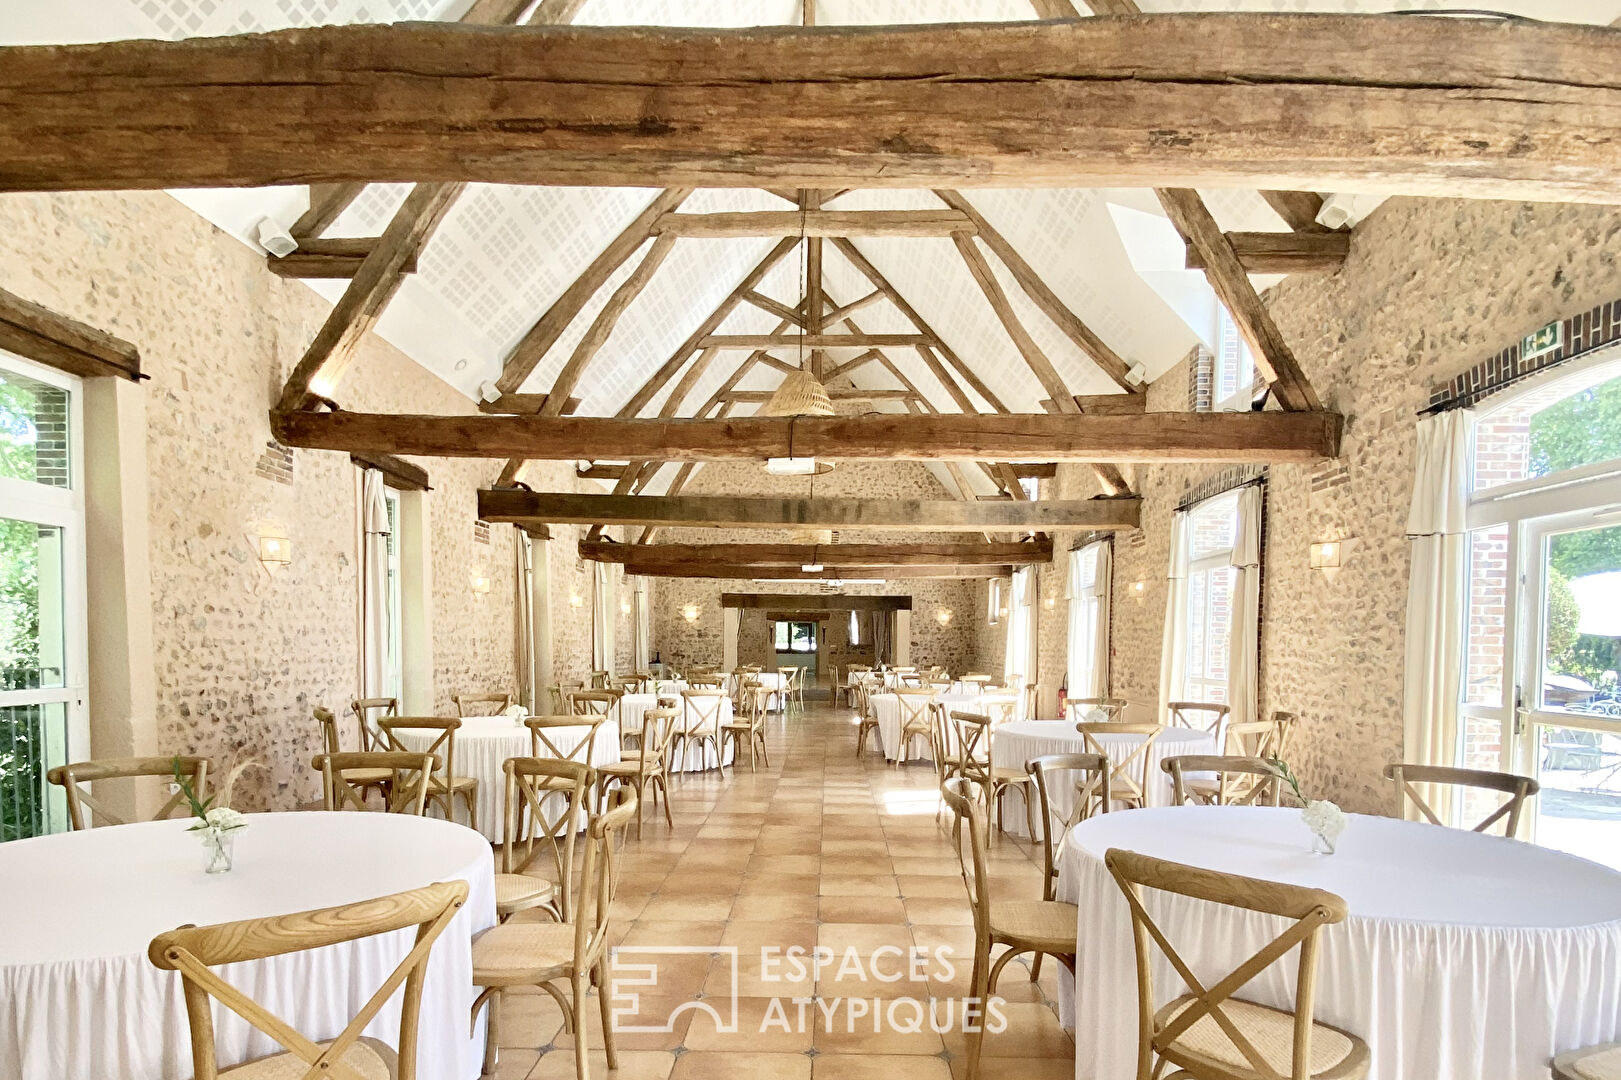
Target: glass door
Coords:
[[43, 653], [1567, 716]]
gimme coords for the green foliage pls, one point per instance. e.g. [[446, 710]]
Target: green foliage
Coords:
[[1580, 430], [1563, 616]]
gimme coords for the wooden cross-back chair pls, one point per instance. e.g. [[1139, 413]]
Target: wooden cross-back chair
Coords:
[[371, 738], [559, 692], [1210, 1034], [1114, 708], [976, 762], [706, 682], [1517, 788], [1286, 723], [366, 715], [866, 719], [545, 799], [69, 777], [444, 787], [1602, 1062], [346, 777], [1038, 926], [649, 767], [593, 702], [978, 678], [1048, 774], [194, 951], [481, 704], [1197, 715], [699, 723], [560, 738], [574, 953], [599, 679], [917, 707], [748, 726], [1128, 768], [1222, 780]]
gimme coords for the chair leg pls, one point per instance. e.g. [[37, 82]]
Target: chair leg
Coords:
[[472, 809], [1035, 967], [582, 1053], [975, 1031], [666, 800], [759, 735], [492, 1032], [608, 1050]]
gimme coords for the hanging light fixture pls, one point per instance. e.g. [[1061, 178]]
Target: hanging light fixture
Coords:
[[799, 394]]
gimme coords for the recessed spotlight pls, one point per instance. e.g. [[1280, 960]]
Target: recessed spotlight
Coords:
[[461, 365]]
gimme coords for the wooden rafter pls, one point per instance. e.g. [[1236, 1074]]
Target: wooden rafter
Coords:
[[714, 511], [817, 223], [1282, 252], [794, 573], [837, 393], [319, 258], [1313, 102], [813, 340], [47, 337], [1298, 209], [1155, 437], [674, 556], [327, 202]]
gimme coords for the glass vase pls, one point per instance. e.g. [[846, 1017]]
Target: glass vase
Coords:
[[218, 850], [1321, 844]]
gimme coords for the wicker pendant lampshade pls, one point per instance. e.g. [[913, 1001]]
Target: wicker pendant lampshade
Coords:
[[799, 395]]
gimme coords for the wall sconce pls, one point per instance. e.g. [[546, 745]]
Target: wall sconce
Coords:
[[690, 613], [1002, 612], [1329, 555], [275, 551], [624, 607], [943, 616], [481, 582], [1050, 602], [576, 601], [1137, 590]]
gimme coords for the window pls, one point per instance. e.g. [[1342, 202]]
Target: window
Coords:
[[1540, 691], [43, 651], [1208, 615], [1088, 670], [855, 628], [1234, 366], [395, 621], [799, 637], [993, 614]]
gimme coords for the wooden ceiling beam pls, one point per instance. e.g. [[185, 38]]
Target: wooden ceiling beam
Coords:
[[337, 258], [1298, 209], [794, 573], [1282, 252], [813, 341], [727, 512], [37, 333], [775, 307], [327, 203], [1398, 106], [526, 405], [1156, 436], [820, 223], [836, 393], [674, 556]]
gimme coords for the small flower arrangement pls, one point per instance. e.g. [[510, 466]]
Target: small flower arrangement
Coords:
[[1325, 819], [216, 826], [1095, 715]]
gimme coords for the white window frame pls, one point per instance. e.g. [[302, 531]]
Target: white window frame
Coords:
[[394, 602], [1088, 608], [1198, 688], [64, 509], [1240, 399]]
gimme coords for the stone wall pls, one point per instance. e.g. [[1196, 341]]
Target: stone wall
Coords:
[[243, 654], [1430, 289]]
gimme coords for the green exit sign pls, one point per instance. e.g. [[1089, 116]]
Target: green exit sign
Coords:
[[1545, 340]]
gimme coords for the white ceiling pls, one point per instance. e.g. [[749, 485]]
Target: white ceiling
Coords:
[[505, 253]]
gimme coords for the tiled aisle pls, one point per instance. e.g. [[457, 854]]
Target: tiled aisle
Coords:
[[819, 849]]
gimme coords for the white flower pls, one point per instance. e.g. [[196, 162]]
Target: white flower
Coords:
[[1095, 715], [516, 712], [225, 819], [1324, 818]]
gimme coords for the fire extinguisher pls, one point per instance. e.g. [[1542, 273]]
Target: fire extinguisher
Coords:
[[1063, 694]]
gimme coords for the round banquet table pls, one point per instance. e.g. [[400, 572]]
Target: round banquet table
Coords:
[[1014, 744], [887, 707], [483, 744], [79, 1000], [1464, 957], [631, 708]]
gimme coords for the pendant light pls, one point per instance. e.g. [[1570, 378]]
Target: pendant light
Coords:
[[799, 394]]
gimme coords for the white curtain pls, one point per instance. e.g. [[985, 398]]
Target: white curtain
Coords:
[[1243, 640], [1173, 645], [604, 612], [1018, 656], [1089, 580], [642, 657], [1437, 592], [523, 636], [373, 585]]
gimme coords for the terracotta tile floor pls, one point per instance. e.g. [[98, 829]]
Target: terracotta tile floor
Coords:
[[819, 849]]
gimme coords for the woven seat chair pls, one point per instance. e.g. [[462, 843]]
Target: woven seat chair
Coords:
[[599, 679], [1114, 708], [574, 953], [1049, 774], [345, 779], [648, 769], [1224, 780], [866, 718], [194, 951], [559, 738], [706, 682], [1209, 1034], [367, 711], [559, 693], [545, 800], [699, 723], [69, 777], [1128, 773], [1287, 724], [1197, 715], [917, 707], [1591, 1063], [603, 703], [444, 787], [1517, 788], [372, 738], [975, 734], [748, 727], [1038, 926], [481, 704]]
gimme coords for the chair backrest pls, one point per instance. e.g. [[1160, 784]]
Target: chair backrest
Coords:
[[546, 799], [706, 682], [977, 677], [968, 835], [914, 703], [599, 680], [1114, 708], [1199, 715], [194, 951], [909, 680], [1128, 773], [592, 702], [658, 725], [481, 704], [559, 692], [1251, 738], [1046, 771], [702, 712], [82, 806], [1240, 781], [367, 711], [1287, 723], [561, 738], [599, 879], [973, 739], [343, 779], [444, 737], [1517, 788], [1310, 910]]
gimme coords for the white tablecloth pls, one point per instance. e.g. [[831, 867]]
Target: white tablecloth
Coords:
[[1016, 743], [632, 707], [774, 680], [79, 1000], [887, 707], [483, 745], [1465, 957]]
